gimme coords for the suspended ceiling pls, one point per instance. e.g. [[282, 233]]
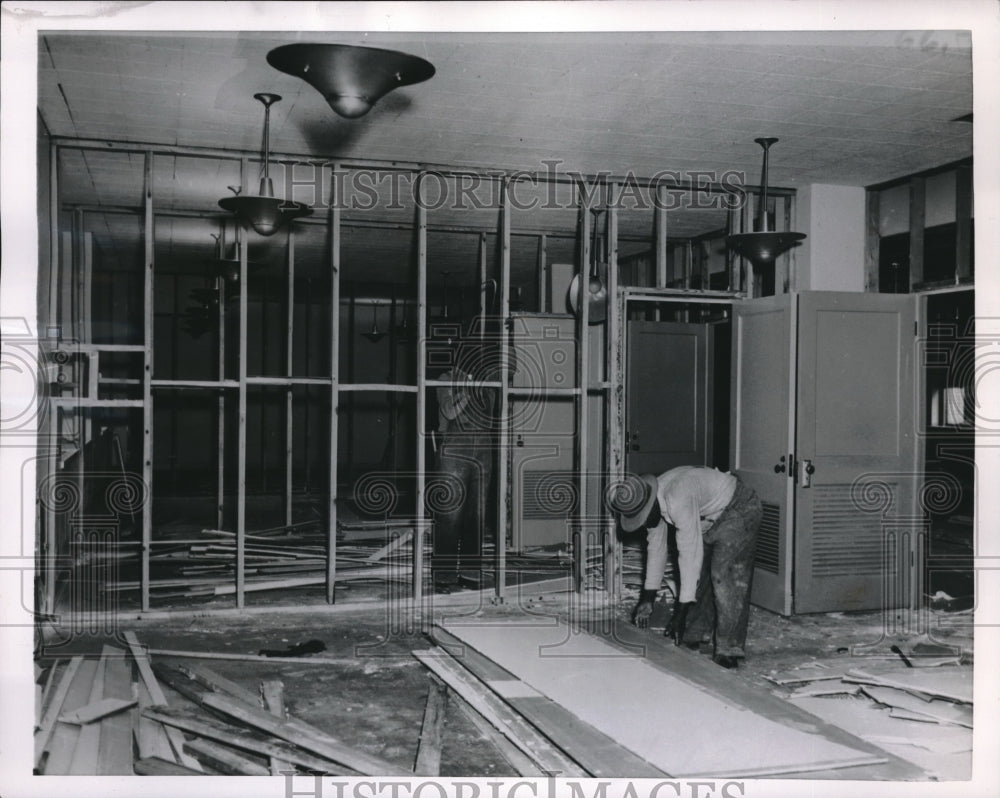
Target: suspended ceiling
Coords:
[[850, 108]]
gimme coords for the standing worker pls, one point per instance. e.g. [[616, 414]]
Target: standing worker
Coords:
[[717, 518], [466, 446]]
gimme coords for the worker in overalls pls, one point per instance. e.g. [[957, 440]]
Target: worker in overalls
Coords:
[[716, 517], [466, 445]]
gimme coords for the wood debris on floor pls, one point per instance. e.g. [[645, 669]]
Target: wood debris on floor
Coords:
[[278, 558], [920, 708], [110, 715]]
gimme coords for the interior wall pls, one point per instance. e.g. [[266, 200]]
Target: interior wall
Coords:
[[832, 257]]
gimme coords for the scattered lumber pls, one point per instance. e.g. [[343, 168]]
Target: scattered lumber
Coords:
[[227, 760], [303, 735], [244, 739], [273, 693], [512, 725], [241, 657], [522, 764], [157, 698], [58, 754], [115, 753], [47, 724], [428, 762], [97, 710], [155, 766]]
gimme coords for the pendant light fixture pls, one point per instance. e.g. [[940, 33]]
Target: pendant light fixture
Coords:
[[351, 79], [374, 334], [265, 213], [597, 284], [762, 246]]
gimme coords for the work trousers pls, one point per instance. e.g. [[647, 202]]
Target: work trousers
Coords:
[[722, 600], [460, 502]]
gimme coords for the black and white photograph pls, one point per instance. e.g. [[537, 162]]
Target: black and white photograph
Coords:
[[490, 400]]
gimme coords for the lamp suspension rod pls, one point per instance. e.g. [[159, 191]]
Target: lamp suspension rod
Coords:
[[762, 210]]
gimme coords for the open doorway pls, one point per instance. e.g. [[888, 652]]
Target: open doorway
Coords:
[[678, 385], [949, 451]]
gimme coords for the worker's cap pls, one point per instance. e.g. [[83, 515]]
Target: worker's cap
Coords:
[[632, 499]]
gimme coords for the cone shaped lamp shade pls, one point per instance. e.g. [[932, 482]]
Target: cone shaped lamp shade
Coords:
[[763, 246], [351, 79], [265, 213]]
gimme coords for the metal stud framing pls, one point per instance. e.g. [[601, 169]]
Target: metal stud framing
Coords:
[[609, 389]]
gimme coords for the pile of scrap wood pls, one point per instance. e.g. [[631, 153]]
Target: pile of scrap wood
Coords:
[[110, 716], [279, 558]]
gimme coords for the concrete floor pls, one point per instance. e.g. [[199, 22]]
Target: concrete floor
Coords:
[[373, 697]]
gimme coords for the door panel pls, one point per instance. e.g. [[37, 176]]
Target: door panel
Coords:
[[855, 512], [761, 434], [669, 395]]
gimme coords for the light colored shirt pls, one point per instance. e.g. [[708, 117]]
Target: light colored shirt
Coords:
[[691, 498]]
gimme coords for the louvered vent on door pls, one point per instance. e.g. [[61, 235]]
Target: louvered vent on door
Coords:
[[846, 537], [767, 539], [547, 494]]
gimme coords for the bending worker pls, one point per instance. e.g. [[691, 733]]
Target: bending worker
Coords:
[[717, 518]]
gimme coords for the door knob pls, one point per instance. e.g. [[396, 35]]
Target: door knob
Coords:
[[780, 467]]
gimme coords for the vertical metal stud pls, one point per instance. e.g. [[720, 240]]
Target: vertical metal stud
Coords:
[[611, 429], [147, 379], [331, 558], [542, 266], [289, 393], [241, 437], [582, 384], [419, 519], [500, 544]]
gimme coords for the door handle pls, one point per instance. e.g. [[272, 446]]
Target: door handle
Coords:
[[780, 467], [806, 470], [635, 441]]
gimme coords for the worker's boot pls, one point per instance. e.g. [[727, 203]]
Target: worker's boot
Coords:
[[725, 661]]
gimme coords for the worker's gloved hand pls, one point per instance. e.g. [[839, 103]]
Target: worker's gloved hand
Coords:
[[678, 621], [642, 611]]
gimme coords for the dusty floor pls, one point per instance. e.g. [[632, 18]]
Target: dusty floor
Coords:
[[374, 696]]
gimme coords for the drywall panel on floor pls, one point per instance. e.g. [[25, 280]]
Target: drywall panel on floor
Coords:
[[673, 724]]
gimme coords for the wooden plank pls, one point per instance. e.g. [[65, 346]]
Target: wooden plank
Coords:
[[63, 741], [598, 753], [154, 766], [565, 664], [96, 710], [225, 759], [523, 765], [157, 697], [273, 692], [150, 737], [428, 761], [514, 727], [84, 761], [243, 738], [304, 735], [400, 540], [214, 681], [48, 722], [114, 757], [238, 657]]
